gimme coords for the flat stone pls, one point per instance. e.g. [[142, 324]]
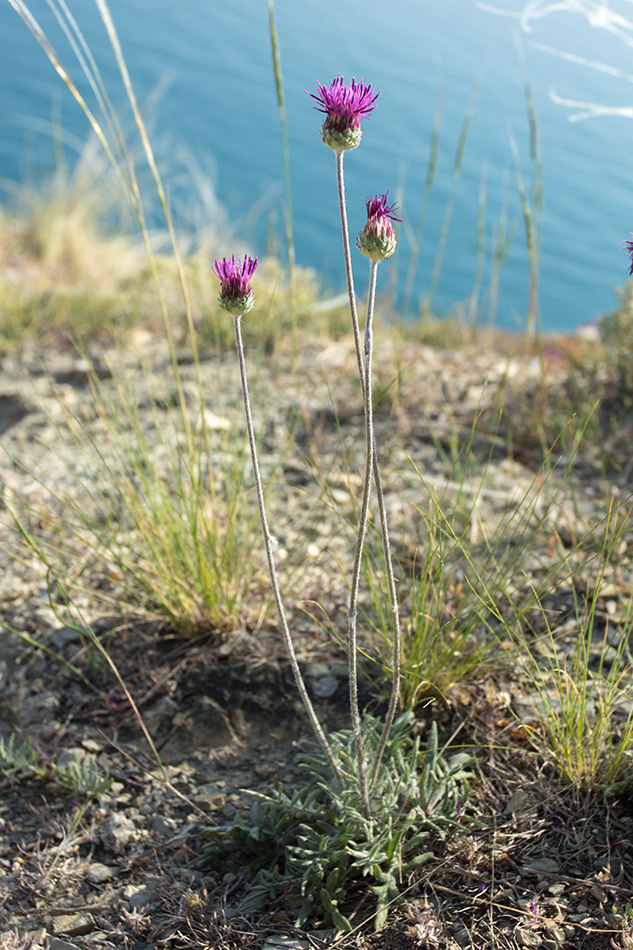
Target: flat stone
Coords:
[[64, 637], [56, 943], [74, 925], [139, 895], [556, 889], [91, 745], [37, 938], [541, 865], [527, 938], [210, 801], [12, 589], [325, 687], [99, 873], [164, 826], [117, 832], [522, 803], [285, 942]]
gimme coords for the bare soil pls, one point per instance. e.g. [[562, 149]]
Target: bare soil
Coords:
[[536, 863]]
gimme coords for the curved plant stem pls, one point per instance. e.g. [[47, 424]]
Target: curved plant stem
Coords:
[[382, 511], [269, 543], [360, 544]]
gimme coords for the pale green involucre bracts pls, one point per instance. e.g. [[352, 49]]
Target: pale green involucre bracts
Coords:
[[378, 240], [340, 141], [236, 296]]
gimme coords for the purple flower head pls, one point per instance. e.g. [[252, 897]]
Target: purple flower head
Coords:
[[344, 107], [236, 296], [377, 240], [629, 251]]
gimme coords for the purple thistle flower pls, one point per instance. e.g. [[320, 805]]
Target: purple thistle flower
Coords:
[[377, 240], [629, 251], [344, 107], [236, 296]]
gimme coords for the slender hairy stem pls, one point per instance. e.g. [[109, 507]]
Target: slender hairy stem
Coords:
[[269, 541], [396, 653], [360, 543], [348, 267], [382, 510]]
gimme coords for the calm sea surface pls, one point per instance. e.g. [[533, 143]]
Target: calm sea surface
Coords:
[[206, 66]]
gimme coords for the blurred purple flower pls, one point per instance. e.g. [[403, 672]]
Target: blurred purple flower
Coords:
[[344, 107], [629, 251], [236, 296]]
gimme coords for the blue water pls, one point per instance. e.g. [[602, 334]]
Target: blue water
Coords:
[[213, 62]]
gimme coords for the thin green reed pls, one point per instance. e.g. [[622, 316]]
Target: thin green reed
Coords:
[[450, 202], [424, 204], [473, 303], [502, 240], [532, 210], [281, 103]]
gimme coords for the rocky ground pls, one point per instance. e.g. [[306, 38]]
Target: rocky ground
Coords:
[[542, 866]]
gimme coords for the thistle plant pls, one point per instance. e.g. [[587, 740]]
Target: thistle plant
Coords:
[[344, 108], [318, 845], [365, 815], [236, 297]]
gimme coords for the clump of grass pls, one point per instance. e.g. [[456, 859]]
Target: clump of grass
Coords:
[[579, 674], [69, 279], [166, 515]]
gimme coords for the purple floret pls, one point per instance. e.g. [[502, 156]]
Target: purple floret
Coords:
[[378, 208], [344, 105], [235, 276]]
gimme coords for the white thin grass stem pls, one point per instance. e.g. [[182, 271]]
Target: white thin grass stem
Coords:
[[268, 542]]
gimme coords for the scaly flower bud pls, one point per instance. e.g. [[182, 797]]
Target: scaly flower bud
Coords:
[[377, 240], [344, 107], [236, 296]]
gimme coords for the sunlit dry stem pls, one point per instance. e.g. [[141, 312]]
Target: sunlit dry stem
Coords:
[[268, 542]]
